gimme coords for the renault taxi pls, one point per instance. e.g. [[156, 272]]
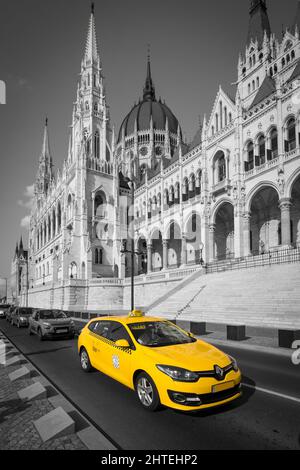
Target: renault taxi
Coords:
[[161, 362]]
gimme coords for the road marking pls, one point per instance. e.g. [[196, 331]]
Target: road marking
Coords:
[[271, 392]]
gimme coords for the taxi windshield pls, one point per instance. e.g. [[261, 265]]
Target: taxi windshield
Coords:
[[25, 311], [159, 333]]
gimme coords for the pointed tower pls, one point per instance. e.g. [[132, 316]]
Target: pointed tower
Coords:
[[259, 22], [91, 129], [149, 90], [296, 23], [45, 170]]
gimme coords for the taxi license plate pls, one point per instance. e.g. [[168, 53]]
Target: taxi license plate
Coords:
[[62, 330], [221, 387]]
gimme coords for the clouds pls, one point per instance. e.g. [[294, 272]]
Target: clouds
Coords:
[[26, 203], [25, 222]]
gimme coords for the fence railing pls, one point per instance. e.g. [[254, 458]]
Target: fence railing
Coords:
[[280, 256]]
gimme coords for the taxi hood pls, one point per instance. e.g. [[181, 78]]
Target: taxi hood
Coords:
[[196, 356]]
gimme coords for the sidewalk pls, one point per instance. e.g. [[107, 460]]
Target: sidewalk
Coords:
[[34, 415]]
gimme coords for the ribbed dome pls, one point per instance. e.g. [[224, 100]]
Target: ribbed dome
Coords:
[[141, 114], [149, 107]]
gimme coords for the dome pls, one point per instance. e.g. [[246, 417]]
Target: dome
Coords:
[[148, 108]]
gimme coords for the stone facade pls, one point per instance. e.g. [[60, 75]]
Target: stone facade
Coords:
[[233, 192]]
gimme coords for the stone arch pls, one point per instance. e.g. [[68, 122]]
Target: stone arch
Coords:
[[174, 237], [192, 233], [257, 188], [155, 239], [224, 230], [265, 222], [295, 211], [100, 204]]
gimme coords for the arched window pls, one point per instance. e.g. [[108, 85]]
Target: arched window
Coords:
[[221, 168], [100, 206], [225, 116], [275, 69], [198, 182], [230, 117], [49, 227], [293, 55], [97, 144], [53, 223], [261, 145], [96, 107], [271, 72], [257, 82], [192, 185], [273, 153], [249, 88], [283, 62], [95, 80], [73, 270], [253, 85], [88, 79], [171, 196], [250, 62], [288, 59], [290, 143], [100, 254], [217, 122], [185, 189], [69, 210], [59, 217], [96, 256], [212, 130], [221, 115], [249, 164], [87, 106]]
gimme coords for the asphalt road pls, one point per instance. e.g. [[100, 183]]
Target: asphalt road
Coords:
[[259, 420]]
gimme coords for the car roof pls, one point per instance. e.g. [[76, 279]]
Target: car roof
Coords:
[[126, 320]]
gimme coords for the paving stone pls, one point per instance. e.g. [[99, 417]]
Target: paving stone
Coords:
[[21, 373], [33, 392], [13, 361], [59, 400], [57, 423], [94, 440]]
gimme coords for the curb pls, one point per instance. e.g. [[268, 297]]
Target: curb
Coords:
[[249, 347], [92, 437]]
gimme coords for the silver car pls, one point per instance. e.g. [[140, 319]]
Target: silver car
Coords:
[[51, 324]]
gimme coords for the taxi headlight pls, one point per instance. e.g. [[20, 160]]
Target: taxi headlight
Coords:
[[23, 318], [234, 363], [46, 325], [178, 374]]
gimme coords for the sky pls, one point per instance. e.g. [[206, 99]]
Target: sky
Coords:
[[194, 48]]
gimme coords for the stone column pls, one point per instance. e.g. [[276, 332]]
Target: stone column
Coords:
[[149, 257], [247, 221], [165, 254], [212, 229], [285, 208], [183, 250]]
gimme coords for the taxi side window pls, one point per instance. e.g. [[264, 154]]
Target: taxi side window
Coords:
[[118, 331], [101, 328]]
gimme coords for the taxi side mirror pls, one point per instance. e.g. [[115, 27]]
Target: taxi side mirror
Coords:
[[122, 343]]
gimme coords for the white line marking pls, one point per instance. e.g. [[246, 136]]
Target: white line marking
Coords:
[[271, 392]]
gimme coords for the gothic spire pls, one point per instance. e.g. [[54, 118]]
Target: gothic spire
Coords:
[[149, 90], [45, 171], [21, 248], [296, 23], [91, 50], [259, 22], [45, 154]]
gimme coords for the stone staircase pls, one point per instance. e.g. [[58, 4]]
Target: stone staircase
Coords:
[[266, 296]]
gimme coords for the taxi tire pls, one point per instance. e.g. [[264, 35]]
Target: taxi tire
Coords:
[[155, 405], [89, 367]]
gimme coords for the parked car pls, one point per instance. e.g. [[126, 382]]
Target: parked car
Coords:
[[9, 313], [3, 310], [161, 362], [20, 316], [51, 324]]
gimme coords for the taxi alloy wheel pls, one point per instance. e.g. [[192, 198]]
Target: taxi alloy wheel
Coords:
[[147, 392], [85, 361]]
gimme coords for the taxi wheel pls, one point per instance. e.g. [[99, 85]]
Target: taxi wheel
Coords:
[[147, 392], [85, 362]]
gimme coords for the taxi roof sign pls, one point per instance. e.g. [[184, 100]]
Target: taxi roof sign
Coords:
[[136, 313]]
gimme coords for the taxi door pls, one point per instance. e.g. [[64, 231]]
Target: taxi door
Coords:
[[99, 345], [121, 360]]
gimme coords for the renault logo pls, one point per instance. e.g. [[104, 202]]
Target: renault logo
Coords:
[[219, 372]]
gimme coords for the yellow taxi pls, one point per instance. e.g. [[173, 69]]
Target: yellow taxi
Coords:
[[164, 364]]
